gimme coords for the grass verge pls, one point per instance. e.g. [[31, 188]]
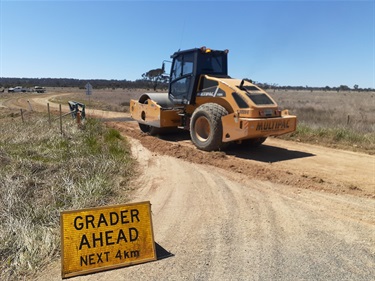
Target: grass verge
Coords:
[[338, 137], [43, 173]]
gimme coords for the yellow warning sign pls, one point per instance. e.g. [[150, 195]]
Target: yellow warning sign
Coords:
[[106, 237]]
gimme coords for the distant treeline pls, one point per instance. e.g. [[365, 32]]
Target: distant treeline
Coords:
[[341, 88], [79, 83], [140, 84]]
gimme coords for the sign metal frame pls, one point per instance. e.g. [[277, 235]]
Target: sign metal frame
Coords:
[[88, 89]]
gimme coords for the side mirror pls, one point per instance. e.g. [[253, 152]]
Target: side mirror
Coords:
[[163, 65]]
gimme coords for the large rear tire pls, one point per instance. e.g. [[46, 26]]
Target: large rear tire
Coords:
[[206, 128]]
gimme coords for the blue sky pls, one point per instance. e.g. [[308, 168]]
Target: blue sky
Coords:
[[313, 43]]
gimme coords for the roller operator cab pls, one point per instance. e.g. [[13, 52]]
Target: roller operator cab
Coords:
[[214, 107]]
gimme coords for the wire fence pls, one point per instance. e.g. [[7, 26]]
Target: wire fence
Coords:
[[76, 111]]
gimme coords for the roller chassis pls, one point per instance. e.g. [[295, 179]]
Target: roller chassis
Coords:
[[215, 108]]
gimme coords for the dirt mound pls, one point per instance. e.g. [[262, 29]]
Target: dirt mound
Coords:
[[236, 160]]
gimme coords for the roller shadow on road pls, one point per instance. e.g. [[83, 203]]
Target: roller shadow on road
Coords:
[[266, 153], [175, 136]]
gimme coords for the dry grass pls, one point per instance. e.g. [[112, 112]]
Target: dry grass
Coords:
[[338, 119], [104, 99], [352, 110], [43, 173]]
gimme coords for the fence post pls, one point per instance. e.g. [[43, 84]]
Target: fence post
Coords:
[[31, 108], [61, 130], [49, 115], [78, 118]]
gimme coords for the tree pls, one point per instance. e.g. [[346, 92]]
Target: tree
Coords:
[[155, 76], [356, 87], [344, 88]]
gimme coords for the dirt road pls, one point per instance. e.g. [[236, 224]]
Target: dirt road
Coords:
[[287, 211], [215, 228]]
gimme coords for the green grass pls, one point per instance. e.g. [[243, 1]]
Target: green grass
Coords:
[[43, 173], [337, 137]]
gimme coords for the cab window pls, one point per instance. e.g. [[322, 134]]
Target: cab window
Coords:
[[183, 65]]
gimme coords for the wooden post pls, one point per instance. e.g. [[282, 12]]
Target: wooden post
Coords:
[[61, 130], [31, 108], [78, 118], [49, 115]]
